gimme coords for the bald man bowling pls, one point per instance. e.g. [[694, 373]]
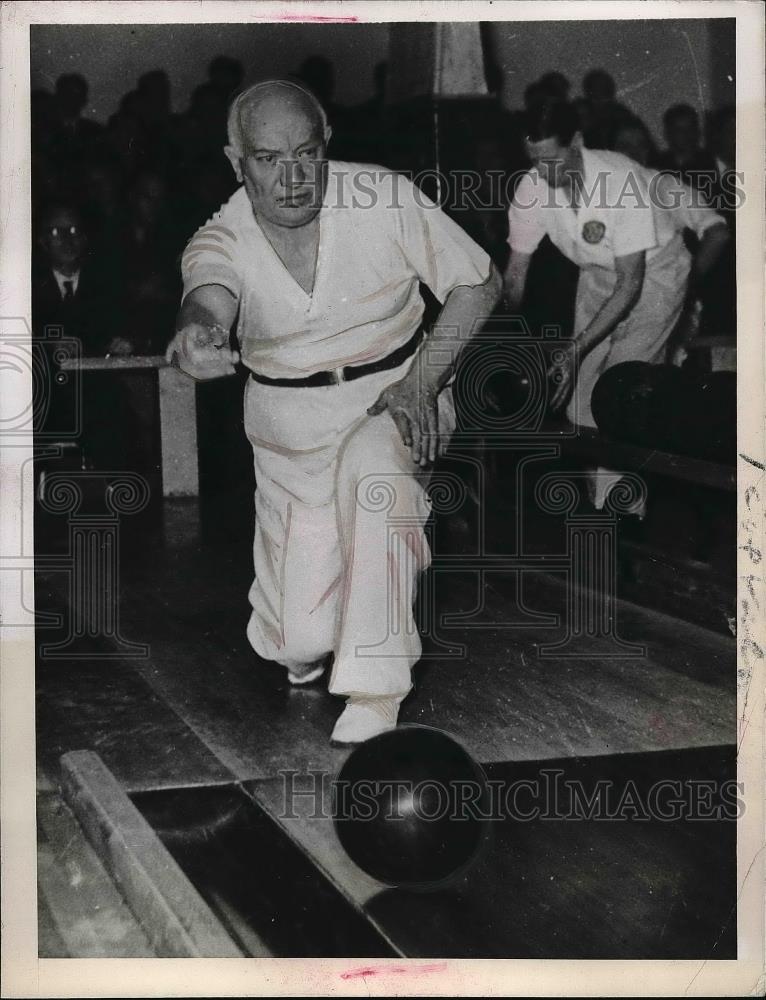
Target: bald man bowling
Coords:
[[319, 264]]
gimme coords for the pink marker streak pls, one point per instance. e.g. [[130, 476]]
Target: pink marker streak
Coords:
[[347, 19], [395, 970]]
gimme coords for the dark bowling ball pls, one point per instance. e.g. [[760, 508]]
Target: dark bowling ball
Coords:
[[410, 808], [501, 385], [507, 392]]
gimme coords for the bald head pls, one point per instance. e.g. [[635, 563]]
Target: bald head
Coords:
[[269, 104], [278, 134]]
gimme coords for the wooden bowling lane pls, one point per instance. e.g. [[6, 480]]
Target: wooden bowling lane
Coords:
[[557, 886], [201, 711], [502, 699], [561, 888], [588, 889], [107, 707], [506, 701], [202, 707], [90, 702]]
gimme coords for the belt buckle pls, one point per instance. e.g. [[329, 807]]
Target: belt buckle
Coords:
[[338, 376]]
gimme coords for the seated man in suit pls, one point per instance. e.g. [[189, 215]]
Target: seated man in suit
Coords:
[[76, 297], [72, 290]]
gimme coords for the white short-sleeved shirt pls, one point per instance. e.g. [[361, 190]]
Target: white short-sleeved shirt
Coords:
[[379, 237], [621, 213], [680, 206]]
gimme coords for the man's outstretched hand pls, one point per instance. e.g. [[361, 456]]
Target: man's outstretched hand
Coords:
[[202, 351], [414, 409]]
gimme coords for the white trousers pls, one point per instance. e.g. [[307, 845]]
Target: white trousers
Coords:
[[641, 336], [339, 515]]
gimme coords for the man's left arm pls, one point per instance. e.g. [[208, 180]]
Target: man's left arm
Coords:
[[464, 279], [413, 401], [691, 211], [630, 271], [464, 309]]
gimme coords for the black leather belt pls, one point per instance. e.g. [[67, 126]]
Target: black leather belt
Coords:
[[349, 372]]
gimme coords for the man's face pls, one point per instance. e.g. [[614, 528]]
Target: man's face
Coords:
[[551, 160], [63, 239], [283, 166]]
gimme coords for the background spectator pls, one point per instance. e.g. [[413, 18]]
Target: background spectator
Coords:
[[146, 182], [603, 115], [71, 288], [225, 75], [632, 139], [73, 137], [684, 155]]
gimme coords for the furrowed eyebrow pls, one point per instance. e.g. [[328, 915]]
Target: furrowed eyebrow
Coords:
[[310, 143]]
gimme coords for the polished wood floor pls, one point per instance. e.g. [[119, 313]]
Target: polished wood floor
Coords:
[[200, 711]]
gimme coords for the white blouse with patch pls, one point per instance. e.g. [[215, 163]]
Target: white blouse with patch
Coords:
[[626, 208]]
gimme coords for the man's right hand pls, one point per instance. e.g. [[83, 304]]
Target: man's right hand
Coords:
[[563, 373], [202, 351]]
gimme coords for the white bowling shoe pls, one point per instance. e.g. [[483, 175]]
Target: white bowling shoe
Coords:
[[363, 718]]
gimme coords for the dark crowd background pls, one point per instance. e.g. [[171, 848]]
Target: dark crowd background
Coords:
[[118, 200], [115, 202]]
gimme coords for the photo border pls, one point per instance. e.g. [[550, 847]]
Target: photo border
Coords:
[[24, 975]]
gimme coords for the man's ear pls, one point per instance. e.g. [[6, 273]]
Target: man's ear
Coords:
[[327, 135], [235, 160]]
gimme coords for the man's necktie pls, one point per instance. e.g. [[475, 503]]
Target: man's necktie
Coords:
[[68, 291]]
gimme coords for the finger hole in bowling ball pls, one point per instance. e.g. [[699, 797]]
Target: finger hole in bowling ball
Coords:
[[411, 808]]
